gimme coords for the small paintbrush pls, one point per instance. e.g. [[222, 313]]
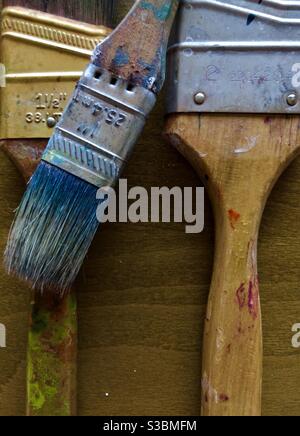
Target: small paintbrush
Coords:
[[52, 336], [56, 221]]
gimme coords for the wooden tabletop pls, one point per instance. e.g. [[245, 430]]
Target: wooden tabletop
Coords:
[[142, 299]]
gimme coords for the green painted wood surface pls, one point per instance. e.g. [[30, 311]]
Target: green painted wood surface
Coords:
[[142, 297], [52, 356]]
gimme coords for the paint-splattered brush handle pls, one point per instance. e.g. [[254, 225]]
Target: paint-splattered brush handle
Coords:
[[52, 356], [240, 158], [136, 50], [238, 185]]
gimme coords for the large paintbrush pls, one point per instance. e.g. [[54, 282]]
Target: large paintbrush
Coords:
[[52, 340], [237, 63], [56, 221]]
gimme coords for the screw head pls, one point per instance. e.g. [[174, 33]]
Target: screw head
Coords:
[[199, 98], [292, 99], [51, 122]]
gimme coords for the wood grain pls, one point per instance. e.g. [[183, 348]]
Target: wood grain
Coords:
[[88, 11], [142, 299]]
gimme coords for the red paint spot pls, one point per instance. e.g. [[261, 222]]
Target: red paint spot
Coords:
[[241, 296], [223, 398], [253, 298], [240, 329], [268, 120], [233, 217], [219, 193]]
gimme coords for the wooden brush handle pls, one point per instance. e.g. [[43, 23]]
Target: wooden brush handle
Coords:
[[232, 359], [240, 157], [137, 48], [52, 336], [52, 356]]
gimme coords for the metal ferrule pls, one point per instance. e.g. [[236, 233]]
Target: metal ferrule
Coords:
[[99, 127], [42, 58], [235, 56]]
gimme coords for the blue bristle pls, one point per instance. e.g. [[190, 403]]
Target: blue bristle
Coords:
[[53, 229]]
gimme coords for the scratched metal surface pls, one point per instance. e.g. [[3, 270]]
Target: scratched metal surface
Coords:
[[142, 297], [246, 64]]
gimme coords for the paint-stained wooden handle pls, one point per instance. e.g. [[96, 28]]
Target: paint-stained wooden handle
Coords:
[[52, 356], [239, 157], [52, 336], [25, 154], [136, 50]]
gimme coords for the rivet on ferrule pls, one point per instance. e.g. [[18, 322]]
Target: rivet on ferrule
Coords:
[[248, 64]]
